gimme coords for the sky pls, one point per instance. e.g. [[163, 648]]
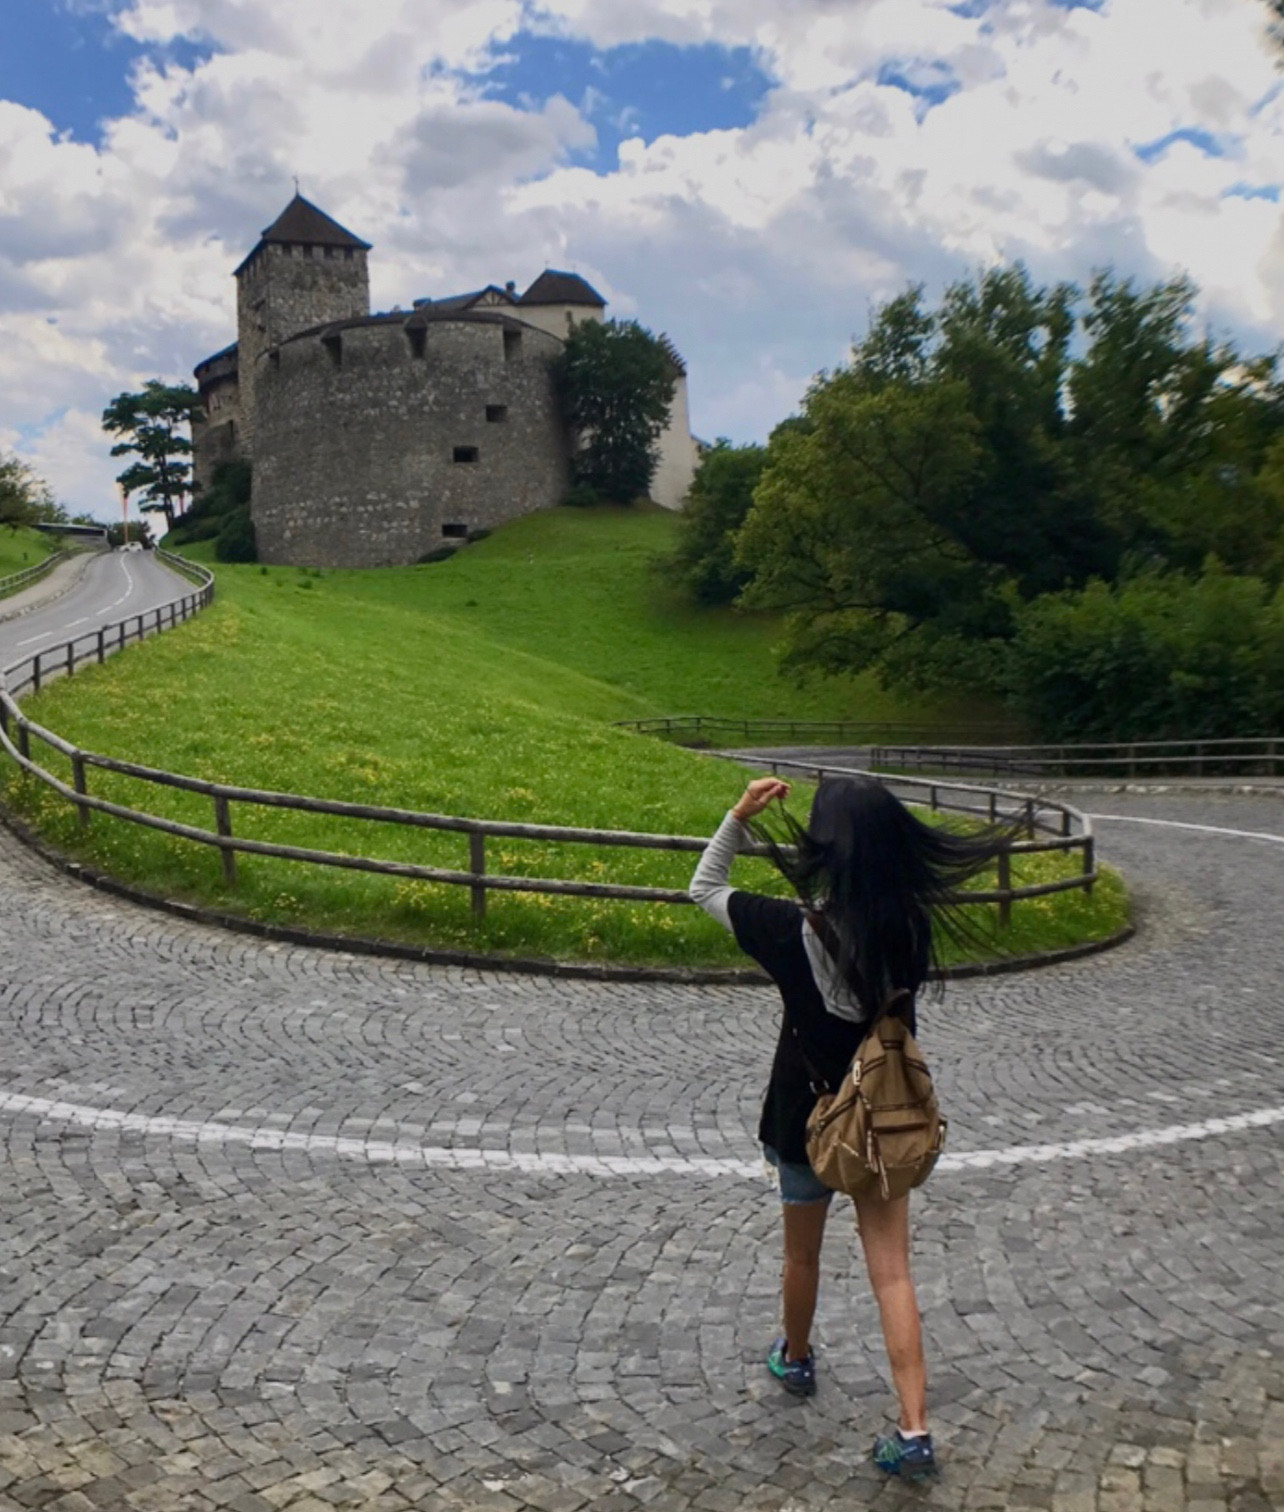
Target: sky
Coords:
[[751, 177]]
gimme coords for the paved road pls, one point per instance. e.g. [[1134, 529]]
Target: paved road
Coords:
[[114, 586], [289, 1229]]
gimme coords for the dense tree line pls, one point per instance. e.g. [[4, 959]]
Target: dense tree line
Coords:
[[1072, 498]]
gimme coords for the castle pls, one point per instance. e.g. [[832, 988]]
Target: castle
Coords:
[[378, 439]]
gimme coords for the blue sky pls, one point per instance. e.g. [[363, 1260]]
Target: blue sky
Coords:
[[640, 89], [72, 63], [749, 176]]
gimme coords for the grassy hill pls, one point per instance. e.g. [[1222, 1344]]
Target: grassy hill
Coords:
[[23, 548], [484, 685]]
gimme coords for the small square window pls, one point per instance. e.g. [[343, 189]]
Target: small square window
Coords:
[[454, 528], [467, 454], [512, 345], [496, 414]]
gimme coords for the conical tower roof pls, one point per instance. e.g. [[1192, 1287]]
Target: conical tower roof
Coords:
[[302, 224]]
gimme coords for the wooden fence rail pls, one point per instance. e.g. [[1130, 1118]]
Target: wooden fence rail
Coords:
[[29, 575], [1249, 756], [708, 729], [1049, 825]]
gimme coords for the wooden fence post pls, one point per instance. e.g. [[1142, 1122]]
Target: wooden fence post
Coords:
[[1029, 818], [477, 864], [1005, 887], [71, 657], [24, 739], [102, 646], [1089, 861], [35, 673], [78, 782], [223, 822]]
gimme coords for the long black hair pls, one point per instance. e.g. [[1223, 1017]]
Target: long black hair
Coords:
[[879, 879]]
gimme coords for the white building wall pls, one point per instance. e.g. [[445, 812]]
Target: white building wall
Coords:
[[679, 454]]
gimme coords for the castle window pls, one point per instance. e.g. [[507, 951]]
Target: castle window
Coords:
[[496, 414], [307, 251], [512, 345], [334, 347], [329, 253], [347, 254], [454, 528], [418, 339], [467, 454]]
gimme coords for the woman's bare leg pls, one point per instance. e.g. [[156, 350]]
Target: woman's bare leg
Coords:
[[884, 1235], [800, 1280]]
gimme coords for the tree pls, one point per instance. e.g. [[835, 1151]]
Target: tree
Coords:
[[615, 382], [846, 534], [719, 499], [151, 419], [25, 498], [1013, 443]]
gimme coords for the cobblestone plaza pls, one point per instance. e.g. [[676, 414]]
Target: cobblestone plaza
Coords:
[[293, 1229]]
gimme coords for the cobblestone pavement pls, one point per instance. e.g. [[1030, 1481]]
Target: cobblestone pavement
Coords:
[[290, 1229]]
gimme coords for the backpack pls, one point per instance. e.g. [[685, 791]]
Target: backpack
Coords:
[[882, 1130]]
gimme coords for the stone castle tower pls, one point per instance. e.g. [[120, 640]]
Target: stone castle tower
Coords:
[[306, 270], [378, 439]]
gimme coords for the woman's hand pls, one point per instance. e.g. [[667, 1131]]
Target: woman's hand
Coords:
[[760, 792]]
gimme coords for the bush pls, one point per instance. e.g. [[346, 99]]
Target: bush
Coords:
[[582, 496], [1161, 656], [235, 541]]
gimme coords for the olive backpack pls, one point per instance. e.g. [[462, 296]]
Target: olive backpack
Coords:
[[881, 1130]]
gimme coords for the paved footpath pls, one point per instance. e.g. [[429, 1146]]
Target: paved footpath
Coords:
[[289, 1229]]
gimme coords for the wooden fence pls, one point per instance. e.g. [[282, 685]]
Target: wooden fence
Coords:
[[1251, 756], [1064, 828], [29, 575], [28, 675], [707, 730]]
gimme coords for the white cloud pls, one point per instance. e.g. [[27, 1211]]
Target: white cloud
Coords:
[[759, 250]]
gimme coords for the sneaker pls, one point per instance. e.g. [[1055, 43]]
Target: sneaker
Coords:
[[913, 1459], [798, 1377]]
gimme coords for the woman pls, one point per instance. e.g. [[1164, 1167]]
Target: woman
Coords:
[[870, 877]]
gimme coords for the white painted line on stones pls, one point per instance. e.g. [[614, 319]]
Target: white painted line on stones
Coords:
[[1205, 829], [389, 1152]]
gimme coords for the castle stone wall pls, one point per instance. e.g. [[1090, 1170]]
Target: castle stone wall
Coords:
[[357, 435]]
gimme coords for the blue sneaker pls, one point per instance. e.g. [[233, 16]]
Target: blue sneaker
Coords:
[[798, 1377], [913, 1459]]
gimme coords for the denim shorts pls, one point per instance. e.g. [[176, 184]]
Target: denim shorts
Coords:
[[798, 1183]]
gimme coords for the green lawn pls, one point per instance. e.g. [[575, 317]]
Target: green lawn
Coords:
[[482, 686], [20, 549]]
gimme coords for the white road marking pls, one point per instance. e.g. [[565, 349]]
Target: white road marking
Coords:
[[32, 639], [1204, 829], [393, 1152], [129, 580], [83, 620]]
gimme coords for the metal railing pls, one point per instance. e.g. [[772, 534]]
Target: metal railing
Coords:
[[1251, 756]]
